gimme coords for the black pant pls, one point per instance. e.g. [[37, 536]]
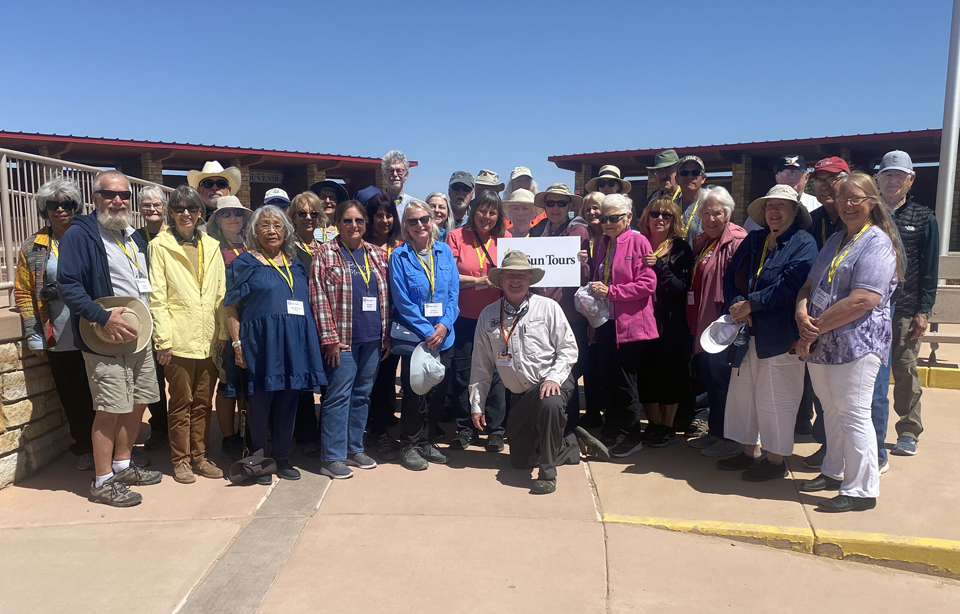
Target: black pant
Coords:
[[536, 431], [307, 426], [419, 415], [459, 382], [619, 364], [383, 397], [158, 410], [70, 378]]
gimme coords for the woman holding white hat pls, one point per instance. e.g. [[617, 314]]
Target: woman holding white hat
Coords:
[[760, 286]]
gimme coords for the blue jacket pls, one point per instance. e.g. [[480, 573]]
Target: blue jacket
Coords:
[[83, 274], [773, 299], [410, 289]]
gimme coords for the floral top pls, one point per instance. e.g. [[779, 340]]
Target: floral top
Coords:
[[870, 264]]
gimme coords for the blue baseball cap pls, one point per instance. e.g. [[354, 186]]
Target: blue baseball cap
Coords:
[[367, 193], [896, 161]]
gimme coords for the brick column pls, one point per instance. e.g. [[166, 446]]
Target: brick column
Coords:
[[244, 192], [314, 175], [378, 179], [581, 178], [741, 187], [651, 184], [150, 170]]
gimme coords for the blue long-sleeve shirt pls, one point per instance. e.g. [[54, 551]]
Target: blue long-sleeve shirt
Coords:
[[774, 295], [410, 290]]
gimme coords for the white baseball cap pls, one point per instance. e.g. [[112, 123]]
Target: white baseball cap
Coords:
[[276, 194], [720, 334], [521, 171]]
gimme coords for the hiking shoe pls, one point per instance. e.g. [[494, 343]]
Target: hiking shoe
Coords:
[[232, 447], [625, 448], [906, 446], [85, 462], [703, 441], [739, 462], [543, 487], [821, 482], [206, 469], [114, 493], [336, 470], [137, 458], [138, 476], [183, 473], [432, 454], [410, 458], [723, 448], [697, 428], [884, 466], [764, 471], [591, 420], [495, 443], [388, 448], [360, 459], [286, 471], [461, 441], [815, 460], [846, 503], [155, 440], [663, 437], [590, 445]]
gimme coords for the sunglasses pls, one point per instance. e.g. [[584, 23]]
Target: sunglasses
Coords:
[[608, 183], [687, 173], [179, 209], [357, 221], [111, 194], [459, 187], [220, 184], [304, 214], [611, 219], [664, 214], [66, 205], [412, 222], [223, 215], [550, 204]]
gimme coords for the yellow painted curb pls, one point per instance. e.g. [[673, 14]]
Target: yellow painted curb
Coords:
[[939, 377], [920, 554]]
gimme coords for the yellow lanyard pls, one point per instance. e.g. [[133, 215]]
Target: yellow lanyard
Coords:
[[663, 246], [54, 245], [305, 246], [132, 258], [606, 266], [481, 252], [706, 252], [389, 251], [686, 225], [289, 276], [431, 275], [365, 276], [592, 242], [763, 258], [837, 259]]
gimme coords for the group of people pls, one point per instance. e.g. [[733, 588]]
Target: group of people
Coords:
[[326, 294]]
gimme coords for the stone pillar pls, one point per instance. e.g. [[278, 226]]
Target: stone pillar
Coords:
[[651, 184], [741, 187], [378, 179], [314, 175], [581, 178], [244, 192], [150, 170]]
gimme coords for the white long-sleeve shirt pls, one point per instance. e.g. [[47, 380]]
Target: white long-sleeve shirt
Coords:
[[542, 347]]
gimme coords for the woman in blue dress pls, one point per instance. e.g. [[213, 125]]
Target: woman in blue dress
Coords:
[[273, 332]]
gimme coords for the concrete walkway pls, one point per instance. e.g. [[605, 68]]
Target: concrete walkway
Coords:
[[468, 537]]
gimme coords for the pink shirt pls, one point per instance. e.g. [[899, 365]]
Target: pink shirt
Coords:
[[467, 253]]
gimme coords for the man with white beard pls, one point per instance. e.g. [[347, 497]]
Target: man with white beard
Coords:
[[105, 262]]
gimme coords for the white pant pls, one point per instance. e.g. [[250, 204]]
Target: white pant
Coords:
[[846, 392], [763, 400]]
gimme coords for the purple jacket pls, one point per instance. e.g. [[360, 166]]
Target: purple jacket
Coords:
[[632, 286]]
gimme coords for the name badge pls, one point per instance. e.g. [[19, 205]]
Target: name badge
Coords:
[[295, 308], [504, 359], [690, 298], [369, 303], [433, 310], [143, 285], [821, 299]]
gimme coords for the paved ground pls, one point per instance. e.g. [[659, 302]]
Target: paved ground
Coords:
[[469, 538]]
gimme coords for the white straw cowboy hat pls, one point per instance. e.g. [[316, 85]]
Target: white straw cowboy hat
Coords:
[[563, 190], [213, 169], [135, 314], [609, 172], [779, 192], [514, 261]]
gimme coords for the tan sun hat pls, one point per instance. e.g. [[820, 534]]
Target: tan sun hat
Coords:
[[563, 190], [609, 172], [489, 180], [213, 169], [521, 196], [779, 192], [135, 314], [514, 261]]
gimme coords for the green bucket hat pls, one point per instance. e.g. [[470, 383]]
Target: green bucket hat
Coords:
[[664, 159]]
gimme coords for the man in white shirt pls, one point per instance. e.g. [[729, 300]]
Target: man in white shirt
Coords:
[[396, 169], [527, 339], [791, 171]]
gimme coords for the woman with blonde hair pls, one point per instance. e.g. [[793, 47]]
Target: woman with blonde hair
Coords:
[[306, 213]]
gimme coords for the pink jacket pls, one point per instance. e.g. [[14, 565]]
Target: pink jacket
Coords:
[[710, 304], [632, 286]]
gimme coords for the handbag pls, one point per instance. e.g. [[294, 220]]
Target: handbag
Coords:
[[402, 339]]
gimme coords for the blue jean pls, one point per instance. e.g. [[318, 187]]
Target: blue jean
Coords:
[[343, 415], [715, 374], [272, 415], [880, 408]]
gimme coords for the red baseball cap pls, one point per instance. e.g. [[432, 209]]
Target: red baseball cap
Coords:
[[831, 165]]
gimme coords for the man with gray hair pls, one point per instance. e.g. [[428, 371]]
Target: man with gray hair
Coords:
[[396, 169], [109, 259]]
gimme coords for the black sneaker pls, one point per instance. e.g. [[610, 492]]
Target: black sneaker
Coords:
[[740, 462], [138, 476], [114, 493], [286, 471], [495, 443], [335, 470], [461, 441], [662, 437], [821, 482], [765, 471], [155, 440], [544, 487], [432, 454], [388, 448], [590, 446], [410, 458], [648, 432], [846, 503], [232, 447], [361, 460], [628, 446]]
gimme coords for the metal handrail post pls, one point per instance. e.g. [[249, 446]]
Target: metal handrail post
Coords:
[[9, 250], [949, 134]]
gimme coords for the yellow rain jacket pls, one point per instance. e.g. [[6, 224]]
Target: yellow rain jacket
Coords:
[[188, 317]]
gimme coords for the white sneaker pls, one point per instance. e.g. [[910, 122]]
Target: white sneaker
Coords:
[[85, 462], [723, 448], [884, 466]]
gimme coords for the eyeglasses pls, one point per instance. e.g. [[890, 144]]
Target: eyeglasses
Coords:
[[611, 219], [397, 171], [550, 204], [688, 173], [664, 214], [220, 184], [179, 209], [413, 221], [853, 200], [228, 213], [312, 214], [357, 221], [111, 194], [68, 205], [459, 187], [151, 206], [608, 183]]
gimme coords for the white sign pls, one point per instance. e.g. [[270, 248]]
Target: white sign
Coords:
[[266, 177], [557, 256]]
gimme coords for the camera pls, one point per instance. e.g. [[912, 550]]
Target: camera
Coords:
[[49, 292]]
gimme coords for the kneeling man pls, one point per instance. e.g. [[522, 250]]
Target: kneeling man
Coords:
[[527, 339]]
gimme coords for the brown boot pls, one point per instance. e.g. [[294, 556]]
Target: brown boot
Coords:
[[182, 472], [204, 468]]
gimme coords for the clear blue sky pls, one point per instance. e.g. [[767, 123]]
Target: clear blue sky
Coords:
[[472, 85]]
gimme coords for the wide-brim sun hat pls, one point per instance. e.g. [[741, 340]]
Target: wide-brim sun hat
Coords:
[[557, 188], [721, 333], [135, 314], [779, 192], [232, 202], [214, 169], [514, 260], [609, 172], [664, 159], [426, 370], [489, 180], [341, 191], [521, 195]]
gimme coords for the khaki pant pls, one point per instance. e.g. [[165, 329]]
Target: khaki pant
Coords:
[[190, 383], [906, 382]]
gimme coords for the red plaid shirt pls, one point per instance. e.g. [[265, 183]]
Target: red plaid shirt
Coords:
[[331, 292]]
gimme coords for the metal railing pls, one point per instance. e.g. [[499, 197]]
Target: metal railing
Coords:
[[21, 175]]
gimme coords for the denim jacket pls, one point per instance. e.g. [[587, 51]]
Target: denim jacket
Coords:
[[410, 289]]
